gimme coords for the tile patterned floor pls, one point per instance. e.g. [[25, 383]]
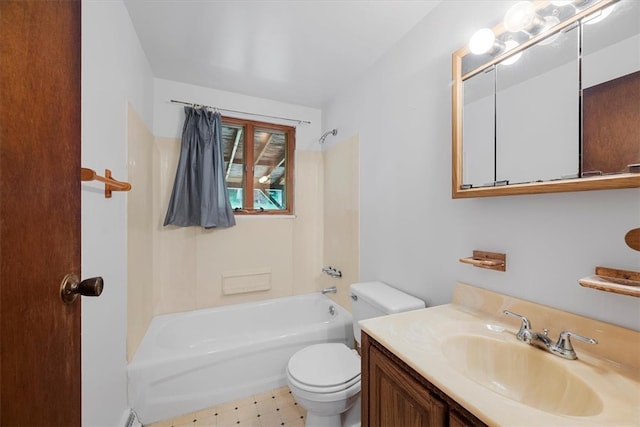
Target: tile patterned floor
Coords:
[[271, 409]]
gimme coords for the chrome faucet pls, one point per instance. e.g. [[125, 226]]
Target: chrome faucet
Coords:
[[330, 290], [562, 347], [332, 272]]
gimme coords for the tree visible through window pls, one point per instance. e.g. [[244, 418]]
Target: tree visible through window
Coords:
[[258, 161]]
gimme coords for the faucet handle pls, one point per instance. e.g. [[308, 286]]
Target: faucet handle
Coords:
[[523, 333], [564, 340], [564, 347]]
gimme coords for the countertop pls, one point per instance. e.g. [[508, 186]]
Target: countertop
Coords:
[[417, 338]]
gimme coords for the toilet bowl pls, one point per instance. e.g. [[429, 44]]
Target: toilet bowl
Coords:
[[325, 378]]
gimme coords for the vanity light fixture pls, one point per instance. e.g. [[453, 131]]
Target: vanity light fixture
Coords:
[[485, 41], [549, 22], [522, 16]]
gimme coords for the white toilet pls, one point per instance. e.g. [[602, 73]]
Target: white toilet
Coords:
[[325, 378]]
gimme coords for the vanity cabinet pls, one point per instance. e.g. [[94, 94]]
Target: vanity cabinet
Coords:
[[393, 394]]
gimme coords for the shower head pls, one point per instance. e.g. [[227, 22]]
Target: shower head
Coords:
[[333, 132]]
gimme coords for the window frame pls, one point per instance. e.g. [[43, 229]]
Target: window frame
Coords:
[[249, 155]]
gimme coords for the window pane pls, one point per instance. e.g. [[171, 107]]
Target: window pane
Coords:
[[233, 148], [270, 169]]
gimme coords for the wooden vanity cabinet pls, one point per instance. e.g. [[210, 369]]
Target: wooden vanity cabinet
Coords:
[[394, 395]]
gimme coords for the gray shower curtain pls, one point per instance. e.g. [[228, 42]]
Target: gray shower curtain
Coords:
[[199, 195]]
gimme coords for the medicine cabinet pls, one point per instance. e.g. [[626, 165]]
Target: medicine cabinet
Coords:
[[549, 101]]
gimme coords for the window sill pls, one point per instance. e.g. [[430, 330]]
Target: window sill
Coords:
[[272, 216]]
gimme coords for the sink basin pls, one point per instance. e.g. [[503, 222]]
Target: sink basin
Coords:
[[522, 373]]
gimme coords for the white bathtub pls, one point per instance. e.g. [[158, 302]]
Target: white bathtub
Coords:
[[194, 360]]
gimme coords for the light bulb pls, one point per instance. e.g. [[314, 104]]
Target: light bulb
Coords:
[[263, 179], [511, 44], [482, 41], [520, 16]]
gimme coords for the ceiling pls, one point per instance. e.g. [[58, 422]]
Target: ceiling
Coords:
[[297, 51]]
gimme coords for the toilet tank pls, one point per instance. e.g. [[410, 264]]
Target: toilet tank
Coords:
[[374, 299]]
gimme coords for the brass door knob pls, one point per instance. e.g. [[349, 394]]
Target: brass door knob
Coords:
[[71, 287]]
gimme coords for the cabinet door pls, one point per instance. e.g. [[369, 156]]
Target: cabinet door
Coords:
[[398, 399]]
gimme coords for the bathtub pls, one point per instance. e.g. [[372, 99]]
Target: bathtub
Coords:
[[194, 360]]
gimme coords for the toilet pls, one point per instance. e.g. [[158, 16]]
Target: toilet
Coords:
[[325, 378]]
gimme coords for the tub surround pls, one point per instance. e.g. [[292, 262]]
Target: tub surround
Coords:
[[175, 269], [611, 369], [341, 216], [140, 226]]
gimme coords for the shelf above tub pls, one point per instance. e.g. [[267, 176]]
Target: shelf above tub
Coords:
[[623, 282]]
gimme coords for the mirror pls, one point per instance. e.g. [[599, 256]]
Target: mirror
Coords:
[[478, 128], [520, 124], [611, 89], [537, 112]]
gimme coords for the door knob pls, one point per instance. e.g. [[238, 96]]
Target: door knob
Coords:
[[72, 286]]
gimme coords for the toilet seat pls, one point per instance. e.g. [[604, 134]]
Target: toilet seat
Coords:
[[324, 368]]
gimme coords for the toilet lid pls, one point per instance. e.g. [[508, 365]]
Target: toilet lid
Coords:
[[325, 365]]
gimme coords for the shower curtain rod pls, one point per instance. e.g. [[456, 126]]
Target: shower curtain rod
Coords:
[[306, 122]]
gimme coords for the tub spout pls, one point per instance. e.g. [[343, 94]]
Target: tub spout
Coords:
[[330, 290]]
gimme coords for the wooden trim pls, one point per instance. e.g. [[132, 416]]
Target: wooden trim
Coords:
[[247, 181], [457, 103], [290, 164], [626, 180], [249, 156], [365, 379]]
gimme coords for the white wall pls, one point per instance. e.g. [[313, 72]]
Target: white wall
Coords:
[[412, 232], [114, 72]]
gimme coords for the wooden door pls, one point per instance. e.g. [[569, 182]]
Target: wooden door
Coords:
[[39, 211]]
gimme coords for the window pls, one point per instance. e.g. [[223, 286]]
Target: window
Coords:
[[258, 160]]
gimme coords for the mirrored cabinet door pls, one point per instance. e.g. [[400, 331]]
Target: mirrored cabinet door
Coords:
[[478, 163], [537, 112], [611, 89]]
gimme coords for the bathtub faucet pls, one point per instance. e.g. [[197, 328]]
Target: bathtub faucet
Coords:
[[332, 272], [331, 290]]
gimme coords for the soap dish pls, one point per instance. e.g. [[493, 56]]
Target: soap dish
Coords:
[[613, 280], [489, 260]]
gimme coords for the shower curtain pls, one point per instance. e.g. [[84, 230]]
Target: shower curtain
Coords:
[[199, 195]]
